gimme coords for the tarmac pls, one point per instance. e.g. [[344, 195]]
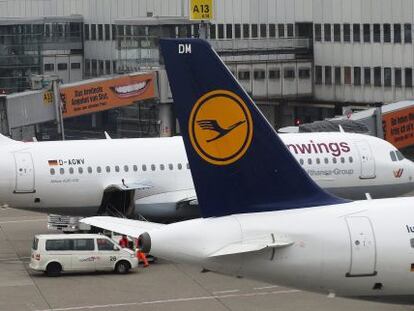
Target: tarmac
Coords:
[[162, 286]]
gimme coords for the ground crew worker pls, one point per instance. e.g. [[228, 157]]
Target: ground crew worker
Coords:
[[123, 242], [141, 256]]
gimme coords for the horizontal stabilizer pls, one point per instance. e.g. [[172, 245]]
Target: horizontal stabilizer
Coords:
[[251, 246], [130, 227]]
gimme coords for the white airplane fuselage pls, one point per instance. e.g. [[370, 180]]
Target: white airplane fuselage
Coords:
[[346, 250], [70, 177]]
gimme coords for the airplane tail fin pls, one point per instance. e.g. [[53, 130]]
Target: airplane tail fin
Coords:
[[238, 162]]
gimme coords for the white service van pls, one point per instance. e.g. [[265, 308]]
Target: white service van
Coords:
[[56, 253]]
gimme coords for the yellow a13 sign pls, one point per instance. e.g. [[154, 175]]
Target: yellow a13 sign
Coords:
[[201, 9]]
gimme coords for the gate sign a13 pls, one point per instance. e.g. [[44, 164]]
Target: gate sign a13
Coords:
[[201, 9]]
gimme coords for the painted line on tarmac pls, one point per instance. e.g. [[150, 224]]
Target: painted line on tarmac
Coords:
[[226, 291], [266, 287], [23, 220], [14, 259], [174, 300]]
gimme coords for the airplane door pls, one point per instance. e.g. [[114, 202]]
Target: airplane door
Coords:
[[24, 173], [367, 160], [363, 248]]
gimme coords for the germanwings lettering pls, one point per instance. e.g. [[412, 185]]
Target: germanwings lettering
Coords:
[[336, 149]]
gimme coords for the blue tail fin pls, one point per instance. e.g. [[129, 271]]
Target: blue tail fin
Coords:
[[238, 162]]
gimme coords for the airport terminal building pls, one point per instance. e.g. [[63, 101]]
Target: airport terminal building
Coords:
[[301, 60]]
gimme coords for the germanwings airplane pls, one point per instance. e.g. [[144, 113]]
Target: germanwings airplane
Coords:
[[263, 217], [151, 177]]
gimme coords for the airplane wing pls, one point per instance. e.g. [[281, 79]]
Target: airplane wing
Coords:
[[130, 227], [131, 185], [252, 246]]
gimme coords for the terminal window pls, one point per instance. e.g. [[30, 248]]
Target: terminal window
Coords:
[[377, 76], [327, 32], [337, 75], [367, 76], [387, 33], [397, 77], [274, 74], [347, 33], [229, 31], [290, 31], [86, 32], [246, 32], [289, 73], [337, 32], [281, 30], [357, 76], [254, 31], [237, 31], [272, 30], [259, 74], [318, 32], [347, 75], [318, 74], [367, 32], [100, 32], [93, 32], [304, 73], [49, 67], [220, 31], [263, 30], [213, 31], [62, 66], [377, 33], [356, 29], [75, 66], [107, 32], [397, 33], [328, 75], [408, 77], [407, 33], [244, 75]]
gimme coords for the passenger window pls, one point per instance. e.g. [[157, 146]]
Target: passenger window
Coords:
[[170, 166], [105, 245], [108, 169], [301, 161], [318, 161], [326, 160], [162, 167], [393, 156], [71, 170], [83, 245], [351, 159], [144, 167], [342, 160], [310, 161], [412, 243], [188, 166], [399, 156], [59, 245], [89, 170], [126, 168], [80, 170], [334, 160], [62, 171], [117, 168], [135, 168], [52, 171], [99, 169], [152, 167], [179, 166]]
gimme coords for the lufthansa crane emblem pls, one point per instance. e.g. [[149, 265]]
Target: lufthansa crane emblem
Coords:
[[220, 127]]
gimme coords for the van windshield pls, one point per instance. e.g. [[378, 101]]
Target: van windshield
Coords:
[[35, 244]]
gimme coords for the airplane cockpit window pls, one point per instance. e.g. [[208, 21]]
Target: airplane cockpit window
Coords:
[[52, 171], [399, 156], [135, 168], [62, 171], [108, 169], [99, 169], [117, 168], [162, 167], [126, 168], [89, 170], [144, 167], [80, 170], [71, 170], [393, 156], [179, 166], [152, 167]]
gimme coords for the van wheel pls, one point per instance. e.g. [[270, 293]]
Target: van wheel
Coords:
[[53, 269], [122, 267]]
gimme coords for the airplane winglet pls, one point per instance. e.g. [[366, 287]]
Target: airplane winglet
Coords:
[[107, 135]]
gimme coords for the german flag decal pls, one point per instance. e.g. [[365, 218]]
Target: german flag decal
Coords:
[[53, 162]]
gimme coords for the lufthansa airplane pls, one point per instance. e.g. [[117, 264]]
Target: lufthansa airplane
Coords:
[[263, 216]]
